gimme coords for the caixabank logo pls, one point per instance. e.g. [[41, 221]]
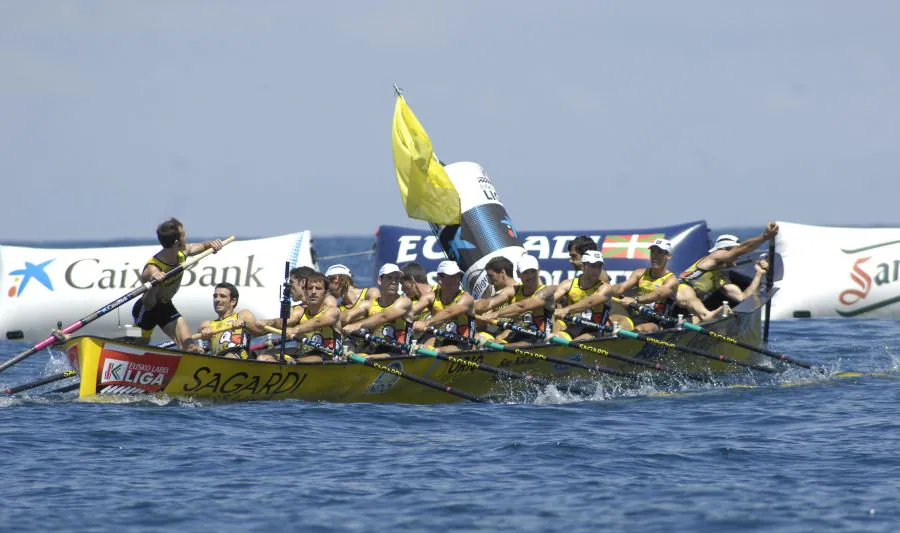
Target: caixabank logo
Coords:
[[875, 281], [23, 277]]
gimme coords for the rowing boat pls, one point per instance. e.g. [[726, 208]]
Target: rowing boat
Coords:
[[116, 367]]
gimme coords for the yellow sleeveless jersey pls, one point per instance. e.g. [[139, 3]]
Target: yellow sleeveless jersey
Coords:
[[528, 317], [576, 293], [704, 282], [462, 324], [648, 284], [324, 335], [226, 339], [395, 329], [167, 289], [362, 298]]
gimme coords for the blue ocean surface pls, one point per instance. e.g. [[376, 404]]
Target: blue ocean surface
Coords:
[[800, 451]]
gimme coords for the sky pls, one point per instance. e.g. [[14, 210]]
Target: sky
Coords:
[[264, 118]]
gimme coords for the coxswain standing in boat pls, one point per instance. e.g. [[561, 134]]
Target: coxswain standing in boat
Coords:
[[320, 322], [532, 303], [656, 286], [353, 301], [233, 340], [155, 307], [416, 288], [708, 275], [452, 310], [577, 248], [388, 316]]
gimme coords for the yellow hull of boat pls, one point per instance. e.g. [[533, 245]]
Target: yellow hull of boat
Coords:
[[110, 367]]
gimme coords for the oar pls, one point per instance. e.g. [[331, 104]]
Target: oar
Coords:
[[600, 351], [669, 321], [67, 388], [700, 353], [549, 358], [75, 326], [39, 382], [226, 327], [405, 375], [419, 350]]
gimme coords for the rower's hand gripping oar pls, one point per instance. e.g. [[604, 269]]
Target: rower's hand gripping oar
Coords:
[[672, 322], [397, 372], [420, 350], [75, 326]]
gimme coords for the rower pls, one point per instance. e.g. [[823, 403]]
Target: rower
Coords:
[[298, 277], [451, 310], [353, 301], [233, 339], [415, 286], [656, 285], [388, 314], [320, 322], [531, 304], [500, 275], [155, 307], [708, 274], [579, 245], [586, 295]]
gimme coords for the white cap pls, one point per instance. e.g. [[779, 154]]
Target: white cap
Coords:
[[388, 268], [662, 244], [592, 256], [335, 270], [527, 262], [725, 241], [448, 268]]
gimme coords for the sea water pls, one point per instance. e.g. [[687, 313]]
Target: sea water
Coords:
[[799, 451]]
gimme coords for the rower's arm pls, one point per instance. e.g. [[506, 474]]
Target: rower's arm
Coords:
[[200, 247], [520, 307], [562, 289], [502, 297], [248, 318], [465, 305], [750, 244], [373, 293], [330, 318], [422, 303], [398, 310], [359, 311], [599, 297], [663, 293], [630, 283], [204, 324], [151, 272]]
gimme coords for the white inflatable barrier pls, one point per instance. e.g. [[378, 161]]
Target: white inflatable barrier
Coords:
[[40, 286], [838, 272]]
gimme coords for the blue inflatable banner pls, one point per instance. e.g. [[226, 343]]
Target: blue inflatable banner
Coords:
[[625, 250]]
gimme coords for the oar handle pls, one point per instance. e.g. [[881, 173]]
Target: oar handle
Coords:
[[215, 331], [455, 337], [75, 326]]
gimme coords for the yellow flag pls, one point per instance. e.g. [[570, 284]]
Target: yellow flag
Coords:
[[428, 194]]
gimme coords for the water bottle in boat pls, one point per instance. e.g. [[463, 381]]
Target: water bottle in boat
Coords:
[[485, 230], [726, 308]]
